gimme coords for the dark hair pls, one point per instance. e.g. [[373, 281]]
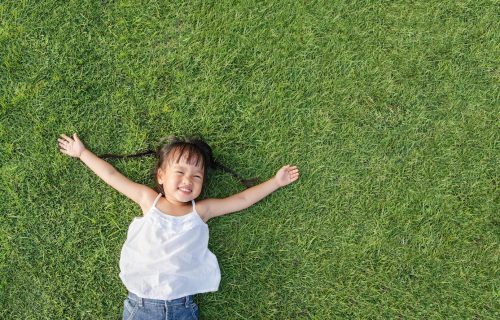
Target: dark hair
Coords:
[[194, 149]]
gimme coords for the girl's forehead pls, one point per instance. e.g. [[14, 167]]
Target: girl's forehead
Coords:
[[176, 160]]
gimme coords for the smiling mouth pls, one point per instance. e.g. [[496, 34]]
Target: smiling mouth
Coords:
[[185, 190]]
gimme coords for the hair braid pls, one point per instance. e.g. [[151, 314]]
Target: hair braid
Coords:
[[206, 150]]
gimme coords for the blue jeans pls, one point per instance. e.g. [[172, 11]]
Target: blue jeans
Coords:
[[150, 309]]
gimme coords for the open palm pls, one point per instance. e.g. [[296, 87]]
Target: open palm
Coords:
[[287, 175], [73, 147]]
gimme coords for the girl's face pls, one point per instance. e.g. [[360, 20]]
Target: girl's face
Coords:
[[181, 181]]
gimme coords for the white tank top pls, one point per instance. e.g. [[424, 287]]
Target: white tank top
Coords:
[[166, 257]]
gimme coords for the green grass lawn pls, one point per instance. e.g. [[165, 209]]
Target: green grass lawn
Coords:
[[389, 108]]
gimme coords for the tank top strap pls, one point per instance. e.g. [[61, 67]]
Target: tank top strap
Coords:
[[156, 200], [194, 207]]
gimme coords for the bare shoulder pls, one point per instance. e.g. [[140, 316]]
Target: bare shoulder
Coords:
[[202, 209], [148, 197]]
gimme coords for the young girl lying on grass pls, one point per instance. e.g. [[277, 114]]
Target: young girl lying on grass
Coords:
[[165, 259]]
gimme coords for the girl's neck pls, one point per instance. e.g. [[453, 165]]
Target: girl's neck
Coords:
[[173, 206]]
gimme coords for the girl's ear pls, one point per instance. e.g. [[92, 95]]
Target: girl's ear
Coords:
[[160, 176]]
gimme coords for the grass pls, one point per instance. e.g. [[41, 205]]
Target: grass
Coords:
[[389, 108]]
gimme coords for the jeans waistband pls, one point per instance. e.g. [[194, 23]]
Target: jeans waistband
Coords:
[[187, 300]]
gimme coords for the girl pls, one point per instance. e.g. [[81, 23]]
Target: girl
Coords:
[[165, 259]]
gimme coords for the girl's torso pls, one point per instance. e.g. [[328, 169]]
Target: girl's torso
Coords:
[[167, 257]]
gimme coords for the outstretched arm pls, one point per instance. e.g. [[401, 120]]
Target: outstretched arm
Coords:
[[217, 207], [74, 147]]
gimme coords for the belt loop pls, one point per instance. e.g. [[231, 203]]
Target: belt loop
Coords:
[[187, 302], [136, 298], [140, 301]]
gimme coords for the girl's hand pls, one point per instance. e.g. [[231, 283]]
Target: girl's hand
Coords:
[[72, 147], [287, 175]]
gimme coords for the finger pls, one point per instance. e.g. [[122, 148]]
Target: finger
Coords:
[[75, 136], [66, 137], [64, 141]]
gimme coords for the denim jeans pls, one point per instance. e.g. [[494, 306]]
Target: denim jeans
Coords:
[[150, 309]]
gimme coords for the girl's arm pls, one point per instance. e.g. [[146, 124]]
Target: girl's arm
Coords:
[[211, 208], [138, 193]]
